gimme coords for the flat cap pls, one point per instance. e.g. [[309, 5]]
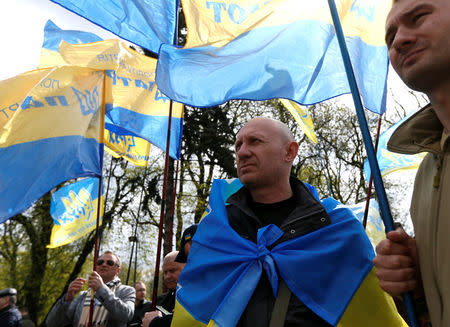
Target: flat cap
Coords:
[[8, 292], [188, 234]]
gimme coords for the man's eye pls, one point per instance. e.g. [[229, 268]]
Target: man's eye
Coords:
[[418, 16]]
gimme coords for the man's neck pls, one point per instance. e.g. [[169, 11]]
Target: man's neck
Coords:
[[440, 99], [271, 194]]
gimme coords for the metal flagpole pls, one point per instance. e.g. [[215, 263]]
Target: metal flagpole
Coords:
[[375, 169], [99, 198]]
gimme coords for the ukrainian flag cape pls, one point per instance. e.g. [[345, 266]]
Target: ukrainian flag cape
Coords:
[[324, 269]]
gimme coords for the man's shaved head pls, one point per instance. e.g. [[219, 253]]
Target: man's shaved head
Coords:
[[265, 150], [170, 257]]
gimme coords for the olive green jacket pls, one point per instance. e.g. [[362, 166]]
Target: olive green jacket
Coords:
[[430, 206]]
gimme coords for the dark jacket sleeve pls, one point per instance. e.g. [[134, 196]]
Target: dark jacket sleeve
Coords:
[[163, 321]]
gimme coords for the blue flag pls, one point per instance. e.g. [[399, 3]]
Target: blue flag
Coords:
[[147, 23], [390, 161], [259, 50]]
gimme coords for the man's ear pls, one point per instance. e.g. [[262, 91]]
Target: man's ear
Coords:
[[291, 151]]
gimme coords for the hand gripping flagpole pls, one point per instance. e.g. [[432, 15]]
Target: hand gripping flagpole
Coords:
[[375, 169]]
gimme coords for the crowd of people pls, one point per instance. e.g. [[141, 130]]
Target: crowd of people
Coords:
[[274, 207]]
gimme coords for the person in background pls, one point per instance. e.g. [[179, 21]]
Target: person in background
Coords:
[[114, 302], [185, 243], [9, 315], [141, 306], [156, 318]]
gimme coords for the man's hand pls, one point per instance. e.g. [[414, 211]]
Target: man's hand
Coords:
[[74, 287], [95, 281], [397, 264], [149, 316]]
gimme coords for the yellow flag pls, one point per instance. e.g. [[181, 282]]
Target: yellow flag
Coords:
[[302, 117]]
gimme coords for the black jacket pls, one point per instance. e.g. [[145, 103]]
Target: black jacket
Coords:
[[139, 313], [10, 317], [308, 215]]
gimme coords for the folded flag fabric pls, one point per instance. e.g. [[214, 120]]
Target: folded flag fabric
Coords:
[[258, 50], [127, 146], [143, 22], [74, 210], [135, 107], [223, 268], [374, 226], [302, 117], [49, 133], [390, 162], [53, 35], [133, 100]]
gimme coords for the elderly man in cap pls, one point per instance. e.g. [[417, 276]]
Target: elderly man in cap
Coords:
[[114, 302], [9, 315]]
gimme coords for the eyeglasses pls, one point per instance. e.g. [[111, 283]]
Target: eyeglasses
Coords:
[[108, 262]]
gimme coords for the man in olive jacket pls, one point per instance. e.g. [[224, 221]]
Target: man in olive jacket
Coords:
[[418, 38]]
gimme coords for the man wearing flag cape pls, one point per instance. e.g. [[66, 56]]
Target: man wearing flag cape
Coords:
[[270, 253]]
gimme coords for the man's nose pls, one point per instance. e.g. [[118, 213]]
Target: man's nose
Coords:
[[404, 38], [243, 151]]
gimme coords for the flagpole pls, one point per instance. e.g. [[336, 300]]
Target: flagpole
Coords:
[[369, 191], [374, 168], [106, 198], [99, 198], [161, 219]]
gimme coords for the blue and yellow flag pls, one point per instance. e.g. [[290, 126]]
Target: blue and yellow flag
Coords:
[[49, 133], [74, 211], [302, 117], [374, 226], [145, 23], [390, 162], [135, 107], [327, 269], [53, 35], [258, 50], [127, 146]]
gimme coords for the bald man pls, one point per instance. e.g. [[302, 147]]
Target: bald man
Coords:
[[265, 151], [297, 240]]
